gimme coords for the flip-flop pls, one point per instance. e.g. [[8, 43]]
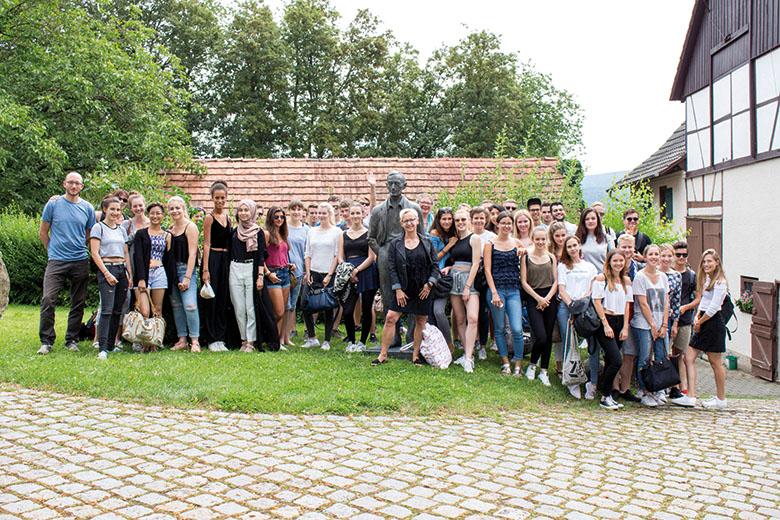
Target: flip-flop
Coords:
[[418, 362], [376, 362]]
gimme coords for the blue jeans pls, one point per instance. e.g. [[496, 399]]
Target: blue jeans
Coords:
[[292, 301], [644, 341], [185, 304], [593, 348], [513, 306]]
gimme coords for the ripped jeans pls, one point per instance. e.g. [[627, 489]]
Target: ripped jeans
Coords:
[[185, 304]]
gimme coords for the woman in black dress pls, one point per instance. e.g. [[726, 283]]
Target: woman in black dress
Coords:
[[414, 270]]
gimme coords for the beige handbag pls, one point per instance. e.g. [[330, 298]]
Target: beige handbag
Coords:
[[138, 329]]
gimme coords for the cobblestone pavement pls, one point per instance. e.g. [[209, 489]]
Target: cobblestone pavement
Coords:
[[74, 457], [739, 383]]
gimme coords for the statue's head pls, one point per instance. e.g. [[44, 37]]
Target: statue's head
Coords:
[[396, 183]]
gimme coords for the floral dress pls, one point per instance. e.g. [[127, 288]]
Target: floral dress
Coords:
[[675, 292]]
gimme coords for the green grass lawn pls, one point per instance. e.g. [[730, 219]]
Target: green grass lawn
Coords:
[[298, 381]]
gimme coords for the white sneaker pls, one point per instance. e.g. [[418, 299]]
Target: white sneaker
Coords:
[[214, 346], [590, 391], [96, 344], [530, 372], [360, 346], [459, 361], [282, 348], [609, 403], [649, 400], [311, 342], [575, 391], [544, 378], [660, 397], [468, 365], [45, 349], [350, 347], [714, 403], [72, 346], [687, 402], [325, 345], [482, 354], [102, 356]]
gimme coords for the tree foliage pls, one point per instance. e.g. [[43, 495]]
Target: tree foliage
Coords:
[[81, 92], [639, 196]]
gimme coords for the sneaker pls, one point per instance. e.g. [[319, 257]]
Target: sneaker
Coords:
[[629, 396], [544, 378], [590, 391], [482, 354], [102, 356], [459, 361], [660, 396], [674, 393], [372, 339], [608, 403], [683, 400], [311, 342], [45, 349], [336, 333], [217, 346], [116, 350], [282, 348], [714, 403], [468, 365], [72, 346], [96, 344], [575, 391], [530, 372], [648, 400], [457, 344], [293, 333], [360, 346], [137, 347], [325, 345], [350, 347]]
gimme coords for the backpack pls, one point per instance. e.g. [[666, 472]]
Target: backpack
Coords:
[[434, 348]]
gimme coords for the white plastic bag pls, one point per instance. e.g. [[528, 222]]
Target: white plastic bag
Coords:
[[206, 292], [434, 348]]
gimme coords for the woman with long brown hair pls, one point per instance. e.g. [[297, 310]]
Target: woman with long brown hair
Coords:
[[278, 266]]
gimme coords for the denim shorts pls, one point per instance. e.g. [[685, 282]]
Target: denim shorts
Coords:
[[283, 274], [157, 278], [292, 301], [459, 279]]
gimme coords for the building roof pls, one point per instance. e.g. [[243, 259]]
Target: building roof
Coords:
[[274, 181], [667, 158], [689, 47]]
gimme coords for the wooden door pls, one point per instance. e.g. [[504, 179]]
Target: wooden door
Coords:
[[763, 331], [703, 234]]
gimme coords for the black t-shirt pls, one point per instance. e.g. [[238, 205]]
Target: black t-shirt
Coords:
[[641, 241], [687, 296]]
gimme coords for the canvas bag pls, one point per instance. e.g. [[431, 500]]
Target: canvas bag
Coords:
[[434, 348], [573, 368], [138, 329]]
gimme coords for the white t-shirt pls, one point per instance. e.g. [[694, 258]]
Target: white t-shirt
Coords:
[[613, 301], [577, 279], [485, 238], [656, 299], [712, 300], [322, 246]]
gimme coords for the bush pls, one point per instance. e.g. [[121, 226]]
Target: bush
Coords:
[[640, 197], [25, 259]]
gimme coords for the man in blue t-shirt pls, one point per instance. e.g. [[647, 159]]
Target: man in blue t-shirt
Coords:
[[64, 231]]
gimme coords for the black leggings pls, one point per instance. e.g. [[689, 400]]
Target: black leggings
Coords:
[[612, 357], [437, 318], [308, 318], [542, 324], [483, 322], [348, 314]]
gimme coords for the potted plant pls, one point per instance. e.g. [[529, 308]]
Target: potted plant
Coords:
[[745, 302]]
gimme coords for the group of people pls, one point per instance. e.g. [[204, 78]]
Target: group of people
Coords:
[[496, 266]]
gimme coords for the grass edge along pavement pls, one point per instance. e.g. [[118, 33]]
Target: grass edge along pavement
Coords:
[[300, 381]]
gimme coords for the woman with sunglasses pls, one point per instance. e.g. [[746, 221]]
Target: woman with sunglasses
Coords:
[[466, 257], [414, 270], [277, 263]]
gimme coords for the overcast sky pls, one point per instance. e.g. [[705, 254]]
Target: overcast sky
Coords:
[[617, 57]]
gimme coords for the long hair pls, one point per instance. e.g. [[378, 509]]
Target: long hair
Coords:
[[331, 213], [276, 235], [522, 213], [582, 231], [443, 234], [718, 275], [611, 277], [551, 245], [566, 258]]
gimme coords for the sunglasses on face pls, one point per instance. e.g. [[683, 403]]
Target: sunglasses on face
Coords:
[[512, 208], [681, 255], [365, 204], [123, 200], [278, 217], [632, 219]]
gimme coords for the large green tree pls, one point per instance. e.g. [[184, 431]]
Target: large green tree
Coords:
[[81, 93]]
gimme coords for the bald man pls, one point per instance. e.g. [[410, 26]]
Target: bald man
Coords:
[[64, 232]]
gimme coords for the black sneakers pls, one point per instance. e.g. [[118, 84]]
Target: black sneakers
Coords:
[[629, 396], [675, 393]]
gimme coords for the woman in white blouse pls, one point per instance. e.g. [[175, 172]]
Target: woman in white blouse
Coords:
[[709, 331]]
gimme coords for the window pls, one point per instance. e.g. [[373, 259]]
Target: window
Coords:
[[730, 115], [666, 202], [768, 102], [746, 284]]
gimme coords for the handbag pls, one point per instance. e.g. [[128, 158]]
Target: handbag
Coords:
[[661, 374], [293, 281], [443, 287], [586, 319], [137, 329], [378, 307], [207, 292], [480, 280], [573, 368], [321, 299]]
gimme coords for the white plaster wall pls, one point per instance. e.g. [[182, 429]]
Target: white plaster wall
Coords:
[[751, 219], [676, 181]]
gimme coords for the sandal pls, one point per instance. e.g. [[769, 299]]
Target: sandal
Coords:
[[505, 370], [518, 371], [377, 362], [195, 347], [180, 345], [418, 362]]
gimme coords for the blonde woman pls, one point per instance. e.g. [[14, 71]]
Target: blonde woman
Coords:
[[522, 228], [184, 289], [465, 255]]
